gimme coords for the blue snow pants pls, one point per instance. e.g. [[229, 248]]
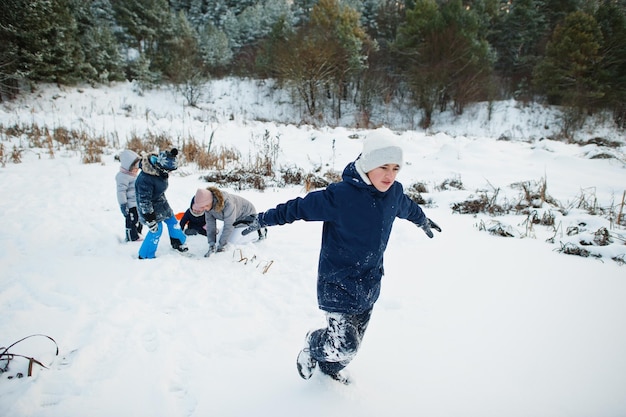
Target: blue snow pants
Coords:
[[335, 346], [151, 242]]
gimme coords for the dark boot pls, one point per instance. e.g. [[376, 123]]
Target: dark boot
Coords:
[[176, 244]]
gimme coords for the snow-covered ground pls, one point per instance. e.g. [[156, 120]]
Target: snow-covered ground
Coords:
[[468, 323]]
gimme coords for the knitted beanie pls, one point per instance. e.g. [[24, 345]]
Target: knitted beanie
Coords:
[[202, 199], [379, 148], [167, 160]]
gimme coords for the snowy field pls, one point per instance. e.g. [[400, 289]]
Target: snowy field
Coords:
[[468, 324]]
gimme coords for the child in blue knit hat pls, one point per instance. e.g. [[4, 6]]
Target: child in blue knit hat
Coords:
[[150, 187]]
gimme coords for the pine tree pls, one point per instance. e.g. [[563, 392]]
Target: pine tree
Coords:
[[369, 13], [214, 47], [556, 11], [253, 22], [219, 10], [197, 14], [265, 61], [184, 64], [146, 25], [445, 56], [103, 59], [323, 55], [568, 72], [44, 41], [183, 53], [611, 19], [143, 23], [11, 68], [181, 5], [302, 10], [517, 38]]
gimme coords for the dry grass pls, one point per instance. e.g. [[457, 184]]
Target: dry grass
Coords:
[[451, 184], [226, 167], [534, 195], [415, 191], [313, 181], [237, 178], [482, 203]]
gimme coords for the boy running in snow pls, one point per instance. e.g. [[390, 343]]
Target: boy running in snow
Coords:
[[358, 214], [150, 187], [125, 181]]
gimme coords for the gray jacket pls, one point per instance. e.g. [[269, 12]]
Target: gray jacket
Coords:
[[125, 179], [229, 208]]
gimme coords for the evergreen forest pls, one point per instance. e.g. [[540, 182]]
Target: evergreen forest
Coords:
[[436, 54]]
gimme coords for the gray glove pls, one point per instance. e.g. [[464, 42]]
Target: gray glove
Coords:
[[428, 225], [124, 209]]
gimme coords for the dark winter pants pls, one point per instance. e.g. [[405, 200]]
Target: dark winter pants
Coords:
[[192, 231], [133, 227], [335, 346]]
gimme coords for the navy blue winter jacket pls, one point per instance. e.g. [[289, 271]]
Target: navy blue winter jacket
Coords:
[[150, 187], [190, 221], [357, 224]]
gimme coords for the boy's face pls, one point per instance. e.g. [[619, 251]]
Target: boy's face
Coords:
[[383, 177]]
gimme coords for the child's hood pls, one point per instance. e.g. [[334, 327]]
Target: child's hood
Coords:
[[352, 175], [218, 199], [357, 178], [147, 167], [128, 158]]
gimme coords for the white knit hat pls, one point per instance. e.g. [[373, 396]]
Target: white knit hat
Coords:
[[379, 148]]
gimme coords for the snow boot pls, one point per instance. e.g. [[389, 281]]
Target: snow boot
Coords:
[[176, 244], [341, 376], [305, 362]]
